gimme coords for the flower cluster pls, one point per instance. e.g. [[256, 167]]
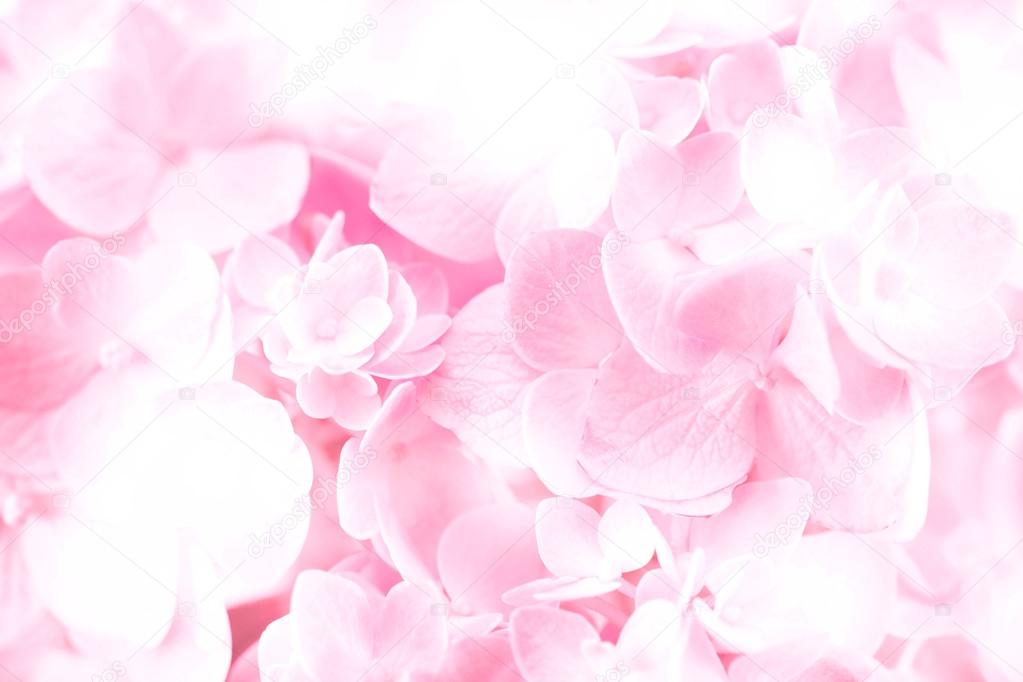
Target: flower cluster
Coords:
[[627, 340]]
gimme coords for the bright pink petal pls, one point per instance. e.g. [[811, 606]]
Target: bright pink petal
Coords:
[[40, 369]]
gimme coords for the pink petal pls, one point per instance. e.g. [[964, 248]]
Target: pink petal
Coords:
[[429, 286], [646, 195], [660, 189], [742, 82], [486, 552], [353, 274], [427, 483], [547, 644], [644, 283], [359, 470], [258, 264], [558, 305], [962, 256], [668, 437], [806, 353], [426, 330], [742, 307], [669, 107], [361, 325], [330, 623], [215, 85], [566, 537], [480, 658], [868, 392], [94, 173], [405, 365], [530, 209], [477, 391], [40, 369], [627, 536], [965, 339], [554, 417], [865, 477], [246, 190], [409, 636], [649, 640], [764, 516], [453, 220], [712, 185], [402, 304]]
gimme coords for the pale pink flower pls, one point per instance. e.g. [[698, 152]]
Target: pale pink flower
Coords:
[[341, 627], [338, 324], [160, 135]]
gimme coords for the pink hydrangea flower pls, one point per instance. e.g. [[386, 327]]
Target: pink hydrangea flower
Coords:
[[338, 324], [342, 627]]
